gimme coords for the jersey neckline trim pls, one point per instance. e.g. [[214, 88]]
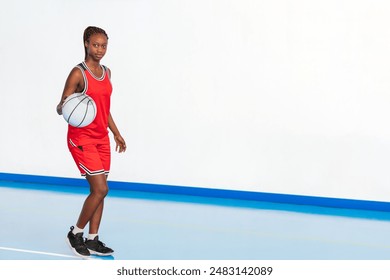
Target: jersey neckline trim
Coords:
[[92, 74]]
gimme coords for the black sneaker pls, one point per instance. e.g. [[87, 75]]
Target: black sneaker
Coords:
[[76, 243], [97, 247]]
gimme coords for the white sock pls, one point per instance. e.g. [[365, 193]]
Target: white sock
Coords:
[[77, 230], [92, 236]]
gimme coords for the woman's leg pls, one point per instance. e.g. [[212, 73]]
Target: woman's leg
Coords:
[[94, 223], [92, 212], [93, 206]]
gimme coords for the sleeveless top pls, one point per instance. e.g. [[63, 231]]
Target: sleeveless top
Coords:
[[100, 90]]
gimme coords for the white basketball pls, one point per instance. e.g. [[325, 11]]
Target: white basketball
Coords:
[[79, 110]]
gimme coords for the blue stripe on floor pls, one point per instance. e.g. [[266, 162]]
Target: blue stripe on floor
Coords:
[[296, 203]]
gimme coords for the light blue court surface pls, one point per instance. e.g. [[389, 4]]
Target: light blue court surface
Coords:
[[34, 220]]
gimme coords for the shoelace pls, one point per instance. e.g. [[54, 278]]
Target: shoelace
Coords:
[[101, 244], [79, 241]]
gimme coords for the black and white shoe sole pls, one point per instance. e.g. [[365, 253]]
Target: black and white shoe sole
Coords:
[[92, 252]]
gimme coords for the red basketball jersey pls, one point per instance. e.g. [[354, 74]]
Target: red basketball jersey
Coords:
[[100, 89]]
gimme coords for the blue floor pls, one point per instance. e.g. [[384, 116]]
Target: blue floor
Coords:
[[35, 219]]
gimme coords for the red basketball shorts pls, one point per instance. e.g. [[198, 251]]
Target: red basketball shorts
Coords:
[[91, 159]]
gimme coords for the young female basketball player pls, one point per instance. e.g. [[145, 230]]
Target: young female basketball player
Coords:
[[90, 145]]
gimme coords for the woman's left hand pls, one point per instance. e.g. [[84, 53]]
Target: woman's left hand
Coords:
[[120, 144]]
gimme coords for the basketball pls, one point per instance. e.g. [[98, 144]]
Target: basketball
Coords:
[[79, 110]]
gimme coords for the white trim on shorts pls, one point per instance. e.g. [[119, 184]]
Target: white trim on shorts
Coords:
[[92, 173]]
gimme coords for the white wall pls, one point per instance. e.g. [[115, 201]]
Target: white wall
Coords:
[[271, 96]]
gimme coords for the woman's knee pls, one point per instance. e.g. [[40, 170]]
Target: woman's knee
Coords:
[[98, 185], [101, 191]]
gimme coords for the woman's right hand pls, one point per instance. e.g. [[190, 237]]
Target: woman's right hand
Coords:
[[59, 108]]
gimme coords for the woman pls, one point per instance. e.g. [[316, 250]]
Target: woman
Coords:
[[90, 145]]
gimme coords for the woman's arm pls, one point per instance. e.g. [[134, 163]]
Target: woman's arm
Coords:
[[120, 142], [74, 83]]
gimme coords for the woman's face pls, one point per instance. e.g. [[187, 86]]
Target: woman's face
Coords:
[[96, 46]]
